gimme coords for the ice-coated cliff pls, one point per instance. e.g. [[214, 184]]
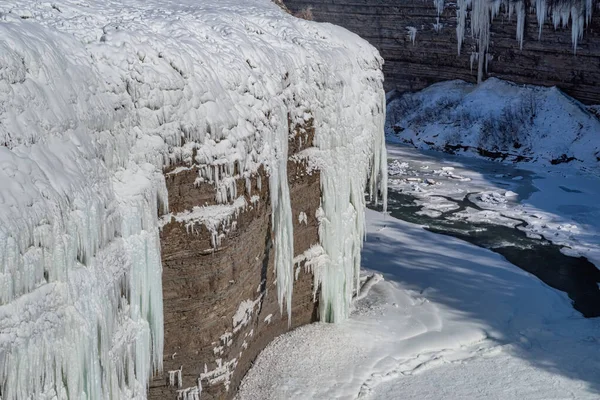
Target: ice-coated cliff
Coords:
[[96, 98]]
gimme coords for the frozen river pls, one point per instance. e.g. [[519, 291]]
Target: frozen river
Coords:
[[542, 221]]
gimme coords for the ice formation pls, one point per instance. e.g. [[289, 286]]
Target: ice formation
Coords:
[[96, 99], [220, 375], [243, 315], [302, 218], [314, 260], [175, 378], [579, 12], [191, 393], [217, 219], [411, 32]]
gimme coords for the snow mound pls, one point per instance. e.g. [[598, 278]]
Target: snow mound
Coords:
[[96, 99], [498, 119], [493, 198], [397, 168]]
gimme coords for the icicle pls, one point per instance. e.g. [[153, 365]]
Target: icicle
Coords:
[[439, 6], [520, 5], [341, 215], [541, 8], [484, 11], [589, 7], [175, 378], [474, 56], [488, 57], [437, 26], [461, 17], [191, 393], [412, 33], [282, 217], [578, 23]]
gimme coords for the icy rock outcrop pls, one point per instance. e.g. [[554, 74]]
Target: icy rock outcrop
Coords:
[[96, 99]]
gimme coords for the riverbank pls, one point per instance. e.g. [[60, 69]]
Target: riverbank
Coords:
[[451, 320], [498, 120]]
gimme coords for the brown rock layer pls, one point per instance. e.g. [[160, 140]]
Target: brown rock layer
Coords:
[[203, 287], [433, 56]]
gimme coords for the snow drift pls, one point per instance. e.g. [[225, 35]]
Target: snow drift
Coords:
[[96, 98], [498, 119]]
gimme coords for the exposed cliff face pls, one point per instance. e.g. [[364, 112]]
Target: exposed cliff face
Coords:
[[221, 306], [416, 58]]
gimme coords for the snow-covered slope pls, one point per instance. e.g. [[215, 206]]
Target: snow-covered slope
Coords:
[[498, 118], [450, 321], [96, 98]]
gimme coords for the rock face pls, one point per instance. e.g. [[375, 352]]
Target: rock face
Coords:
[[221, 306], [416, 58]]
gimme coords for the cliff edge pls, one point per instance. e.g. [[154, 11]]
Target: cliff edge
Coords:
[[180, 183]]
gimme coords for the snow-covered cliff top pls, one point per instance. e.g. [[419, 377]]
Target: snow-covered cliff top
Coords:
[[96, 98]]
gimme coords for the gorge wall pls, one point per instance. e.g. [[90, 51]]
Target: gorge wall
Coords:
[[221, 306], [181, 182], [419, 49]]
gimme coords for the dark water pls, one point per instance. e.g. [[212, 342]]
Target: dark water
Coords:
[[575, 276]]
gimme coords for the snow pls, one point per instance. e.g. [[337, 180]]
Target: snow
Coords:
[[302, 218], [491, 198], [558, 203], [450, 320], [217, 218], [537, 124], [96, 99], [243, 315]]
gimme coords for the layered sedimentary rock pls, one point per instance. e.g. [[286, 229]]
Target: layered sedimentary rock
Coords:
[[420, 47], [221, 302]]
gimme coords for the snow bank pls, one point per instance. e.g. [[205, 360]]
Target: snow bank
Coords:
[[96, 98], [498, 119], [450, 321]]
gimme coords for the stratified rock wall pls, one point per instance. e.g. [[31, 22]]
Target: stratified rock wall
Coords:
[[433, 56], [207, 292]]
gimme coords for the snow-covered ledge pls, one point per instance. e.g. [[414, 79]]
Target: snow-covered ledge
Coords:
[[96, 98]]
